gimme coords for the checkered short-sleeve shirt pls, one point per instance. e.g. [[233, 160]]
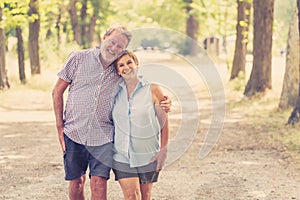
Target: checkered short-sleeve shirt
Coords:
[[88, 110]]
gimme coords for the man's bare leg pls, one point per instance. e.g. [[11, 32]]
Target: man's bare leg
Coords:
[[76, 188], [98, 188]]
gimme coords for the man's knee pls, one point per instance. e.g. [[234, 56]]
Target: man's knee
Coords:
[[76, 188], [77, 184], [98, 184]]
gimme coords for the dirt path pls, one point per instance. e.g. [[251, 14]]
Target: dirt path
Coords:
[[239, 167]]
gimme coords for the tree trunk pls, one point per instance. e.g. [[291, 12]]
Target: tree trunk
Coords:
[[33, 43], [290, 86], [294, 117], [260, 78], [298, 7], [74, 22], [57, 27], [48, 34], [83, 15], [192, 26], [3, 75], [20, 50], [90, 36], [93, 22], [242, 27], [59, 24]]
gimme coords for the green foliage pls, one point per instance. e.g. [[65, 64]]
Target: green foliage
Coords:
[[238, 84], [33, 17], [15, 12], [52, 57], [283, 12], [50, 11], [162, 13], [216, 17], [104, 11], [280, 134], [243, 23]]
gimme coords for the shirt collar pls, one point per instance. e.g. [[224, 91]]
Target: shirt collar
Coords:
[[142, 82], [97, 52]]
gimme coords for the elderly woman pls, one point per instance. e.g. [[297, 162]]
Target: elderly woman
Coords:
[[141, 131]]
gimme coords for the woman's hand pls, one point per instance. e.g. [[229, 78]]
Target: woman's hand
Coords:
[[160, 157]]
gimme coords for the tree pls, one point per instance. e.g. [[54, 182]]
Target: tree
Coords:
[[16, 18], [53, 14], [83, 26], [33, 41], [289, 91], [260, 77], [74, 22], [3, 77], [294, 117], [242, 28], [21, 54], [97, 5], [192, 27]]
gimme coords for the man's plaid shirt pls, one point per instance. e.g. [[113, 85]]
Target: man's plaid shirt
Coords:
[[88, 110]]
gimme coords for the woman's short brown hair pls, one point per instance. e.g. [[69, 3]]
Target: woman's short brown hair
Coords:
[[130, 54]]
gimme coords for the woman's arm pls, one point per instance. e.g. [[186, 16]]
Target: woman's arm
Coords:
[[157, 96]]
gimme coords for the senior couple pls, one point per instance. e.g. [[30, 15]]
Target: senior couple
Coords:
[[112, 119]]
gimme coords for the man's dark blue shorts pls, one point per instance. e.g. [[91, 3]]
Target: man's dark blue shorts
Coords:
[[78, 157]]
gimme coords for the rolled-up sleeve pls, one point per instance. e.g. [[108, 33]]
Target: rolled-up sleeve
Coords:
[[68, 71]]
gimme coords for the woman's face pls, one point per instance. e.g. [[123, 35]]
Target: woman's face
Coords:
[[126, 67]]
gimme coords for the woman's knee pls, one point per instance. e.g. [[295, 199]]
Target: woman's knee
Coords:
[[132, 194], [146, 195], [146, 191]]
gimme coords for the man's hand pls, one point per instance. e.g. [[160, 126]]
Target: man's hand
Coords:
[[166, 104], [61, 138]]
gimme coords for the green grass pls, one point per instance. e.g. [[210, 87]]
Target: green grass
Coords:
[[268, 122]]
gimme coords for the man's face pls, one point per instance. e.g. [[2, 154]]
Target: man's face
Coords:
[[113, 46]]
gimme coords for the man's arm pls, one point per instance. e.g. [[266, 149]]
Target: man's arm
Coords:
[[58, 106]]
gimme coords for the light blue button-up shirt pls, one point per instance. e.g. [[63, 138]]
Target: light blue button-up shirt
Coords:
[[137, 130]]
